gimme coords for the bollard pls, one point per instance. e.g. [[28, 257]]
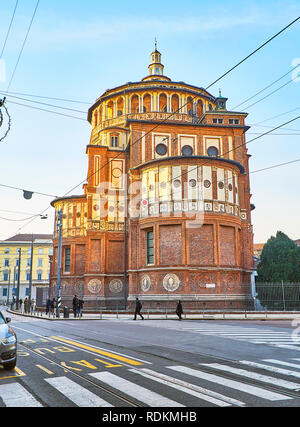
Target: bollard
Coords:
[[148, 313]]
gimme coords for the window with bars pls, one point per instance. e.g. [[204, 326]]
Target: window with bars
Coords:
[[67, 260], [150, 247]]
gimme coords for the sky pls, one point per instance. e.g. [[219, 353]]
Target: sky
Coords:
[[76, 49]]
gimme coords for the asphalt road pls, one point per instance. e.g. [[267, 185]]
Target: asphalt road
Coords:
[[153, 363]]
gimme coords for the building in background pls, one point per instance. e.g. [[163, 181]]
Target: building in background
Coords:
[[166, 211], [9, 265]]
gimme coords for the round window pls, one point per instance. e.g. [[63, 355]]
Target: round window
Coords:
[[187, 150], [221, 185], [161, 149], [206, 183], [192, 183], [230, 187], [177, 183], [212, 151]]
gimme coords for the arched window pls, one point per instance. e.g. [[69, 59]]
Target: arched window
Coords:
[[135, 104], [110, 109], [189, 106], [120, 106], [199, 108], [96, 118], [114, 139], [175, 103], [163, 102], [147, 103]]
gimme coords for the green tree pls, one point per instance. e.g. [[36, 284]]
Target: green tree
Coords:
[[280, 260]]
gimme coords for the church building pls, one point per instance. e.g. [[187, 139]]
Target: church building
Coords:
[[165, 213]]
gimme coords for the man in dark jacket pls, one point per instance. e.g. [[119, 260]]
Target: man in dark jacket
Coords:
[[80, 307], [179, 310], [75, 305], [138, 307]]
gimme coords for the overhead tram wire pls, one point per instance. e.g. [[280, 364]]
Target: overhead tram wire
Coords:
[[44, 103], [47, 97], [278, 115], [9, 28], [48, 111], [269, 94], [23, 45], [172, 114], [265, 88]]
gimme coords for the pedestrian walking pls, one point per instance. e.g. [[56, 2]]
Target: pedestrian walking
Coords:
[[80, 307], [179, 310], [20, 304], [48, 305], [75, 305], [52, 306], [138, 307], [32, 306], [26, 305]]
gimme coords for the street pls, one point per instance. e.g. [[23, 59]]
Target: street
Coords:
[[152, 363]]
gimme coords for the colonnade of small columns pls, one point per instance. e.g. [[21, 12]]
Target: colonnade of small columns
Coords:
[[150, 102]]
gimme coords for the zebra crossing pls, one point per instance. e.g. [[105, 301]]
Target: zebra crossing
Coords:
[[283, 339], [229, 383]]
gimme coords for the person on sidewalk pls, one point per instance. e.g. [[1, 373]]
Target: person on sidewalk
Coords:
[[80, 307], [179, 310], [138, 307], [26, 305], [48, 304], [20, 305], [75, 305]]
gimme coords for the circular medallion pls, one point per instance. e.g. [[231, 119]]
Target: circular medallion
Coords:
[[116, 173], [79, 288], [221, 185], [145, 283], [116, 286], [171, 282], [94, 286]]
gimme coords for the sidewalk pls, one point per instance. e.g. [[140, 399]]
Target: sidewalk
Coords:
[[242, 315]]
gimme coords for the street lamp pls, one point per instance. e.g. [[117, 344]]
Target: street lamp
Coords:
[[59, 225]]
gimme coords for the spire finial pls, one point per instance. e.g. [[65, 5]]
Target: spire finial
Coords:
[[220, 95], [155, 43]]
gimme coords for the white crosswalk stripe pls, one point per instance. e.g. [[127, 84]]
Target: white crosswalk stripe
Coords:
[[136, 391], [196, 391], [254, 375], [76, 393], [15, 395], [272, 369], [246, 388]]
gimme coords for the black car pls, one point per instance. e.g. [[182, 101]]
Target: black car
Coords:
[[8, 344]]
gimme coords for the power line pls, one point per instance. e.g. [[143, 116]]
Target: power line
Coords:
[[48, 111], [47, 97], [43, 103], [8, 31], [256, 50], [275, 166], [266, 87], [21, 189], [278, 115], [23, 45], [271, 93]]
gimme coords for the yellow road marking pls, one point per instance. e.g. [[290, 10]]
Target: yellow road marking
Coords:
[[108, 365], [96, 350], [19, 374], [44, 369]]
